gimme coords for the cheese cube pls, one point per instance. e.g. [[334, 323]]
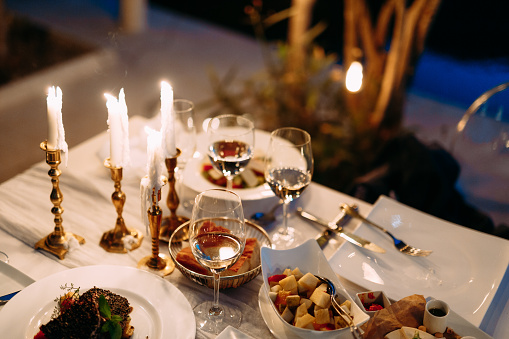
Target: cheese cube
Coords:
[[276, 288], [322, 316], [340, 322], [287, 315], [304, 321], [347, 304], [249, 177], [309, 281], [322, 287], [306, 301], [289, 283], [301, 288], [320, 298], [292, 301], [297, 273], [215, 174], [301, 310]]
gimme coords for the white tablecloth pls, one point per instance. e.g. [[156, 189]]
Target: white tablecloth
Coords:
[[86, 186]]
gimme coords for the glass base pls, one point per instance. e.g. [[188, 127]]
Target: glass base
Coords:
[[211, 322], [285, 240]]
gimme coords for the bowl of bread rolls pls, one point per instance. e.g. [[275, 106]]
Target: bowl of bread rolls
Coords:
[[244, 270]]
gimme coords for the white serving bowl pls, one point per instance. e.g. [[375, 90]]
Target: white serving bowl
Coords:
[[308, 257]]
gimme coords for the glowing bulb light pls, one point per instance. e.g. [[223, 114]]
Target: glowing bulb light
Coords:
[[353, 79]]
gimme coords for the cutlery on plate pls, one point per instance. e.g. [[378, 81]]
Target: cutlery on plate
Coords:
[[400, 245], [5, 298], [335, 226], [331, 289]]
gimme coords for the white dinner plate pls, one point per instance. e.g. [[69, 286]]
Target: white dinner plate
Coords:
[[160, 310], [465, 269], [194, 179]]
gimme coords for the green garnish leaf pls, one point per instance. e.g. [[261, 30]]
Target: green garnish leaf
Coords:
[[112, 324], [105, 327], [104, 307], [115, 331], [116, 318]]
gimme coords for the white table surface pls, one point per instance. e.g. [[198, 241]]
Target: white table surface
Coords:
[[87, 178]]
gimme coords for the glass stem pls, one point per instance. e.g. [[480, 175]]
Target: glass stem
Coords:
[[285, 218], [215, 310], [229, 183]]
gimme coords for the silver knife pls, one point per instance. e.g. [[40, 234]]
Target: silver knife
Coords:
[[335, 226]]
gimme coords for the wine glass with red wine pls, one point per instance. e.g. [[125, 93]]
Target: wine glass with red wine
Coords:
[[217, 236], [231, 144]]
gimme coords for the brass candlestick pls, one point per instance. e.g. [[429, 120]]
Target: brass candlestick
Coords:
[[171, 223], [157, 263], [120, 239], [56, 242]]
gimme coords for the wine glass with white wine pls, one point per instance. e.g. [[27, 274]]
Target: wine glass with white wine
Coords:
[[217, 236], [231, 144], [288, 171]]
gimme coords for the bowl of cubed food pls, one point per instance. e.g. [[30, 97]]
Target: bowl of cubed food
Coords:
[[300, 300]]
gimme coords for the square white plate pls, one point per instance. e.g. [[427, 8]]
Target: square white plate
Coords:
[[465, 269]]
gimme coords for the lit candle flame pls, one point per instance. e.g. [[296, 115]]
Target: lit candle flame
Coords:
[[353, 80]]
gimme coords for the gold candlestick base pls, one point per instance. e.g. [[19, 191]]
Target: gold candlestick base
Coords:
[[57, 242], [121, 239], [58, 245], [156, 263], [171, 223]]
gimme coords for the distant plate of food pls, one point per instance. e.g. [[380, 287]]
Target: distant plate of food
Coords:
[[159, 309], [200, 175], [456, 268]]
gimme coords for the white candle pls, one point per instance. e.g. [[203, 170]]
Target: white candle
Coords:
[[118, 129], [155, 158], [54, 103], [124, 119], [167, 121]]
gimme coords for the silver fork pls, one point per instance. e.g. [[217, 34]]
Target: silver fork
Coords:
[[331, 289], [399, 244]]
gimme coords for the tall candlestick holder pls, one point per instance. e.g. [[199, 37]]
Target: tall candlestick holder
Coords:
[[121, 239], [172, 222], [57, 242], [157, 263]]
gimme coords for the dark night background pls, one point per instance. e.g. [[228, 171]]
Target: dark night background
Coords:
[[467, 50]]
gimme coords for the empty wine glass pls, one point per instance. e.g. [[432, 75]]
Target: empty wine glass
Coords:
[[288, 171], [231, 144], [185, 136], [217, 236]]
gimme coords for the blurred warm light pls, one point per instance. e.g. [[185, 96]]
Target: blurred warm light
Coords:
[[205, 124], [353, 80]]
